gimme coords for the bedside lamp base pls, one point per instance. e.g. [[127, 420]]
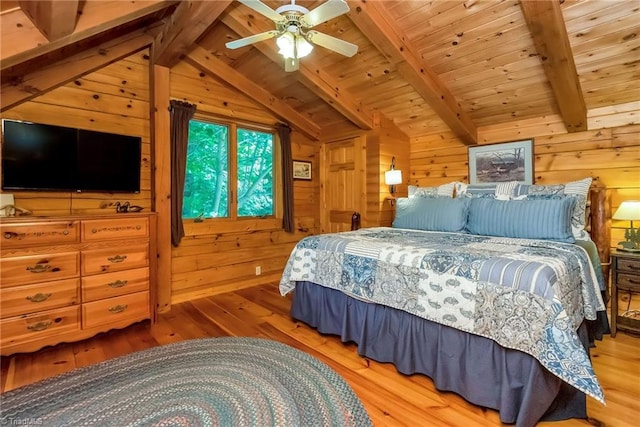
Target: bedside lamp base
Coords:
[[633, 250]]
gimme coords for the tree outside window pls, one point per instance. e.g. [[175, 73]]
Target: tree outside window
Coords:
[[229, 173]]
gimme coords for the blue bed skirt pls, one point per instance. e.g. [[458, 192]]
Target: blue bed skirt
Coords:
[[481, 371]]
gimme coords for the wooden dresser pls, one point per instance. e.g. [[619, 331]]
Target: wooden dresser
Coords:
[[68, 278]]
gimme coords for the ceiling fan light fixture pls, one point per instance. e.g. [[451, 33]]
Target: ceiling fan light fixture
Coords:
[[293, 46], [303, 46], [293, 33]]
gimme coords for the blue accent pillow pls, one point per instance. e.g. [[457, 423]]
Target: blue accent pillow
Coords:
[[548, 219], [432, 214], [576, 189]]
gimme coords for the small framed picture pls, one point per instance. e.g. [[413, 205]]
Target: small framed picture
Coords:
[[301, 170], [509, 161]]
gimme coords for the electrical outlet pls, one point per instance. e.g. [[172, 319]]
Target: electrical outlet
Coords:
[[258, 270]]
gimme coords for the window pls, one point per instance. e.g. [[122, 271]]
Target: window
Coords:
[[230, 172]]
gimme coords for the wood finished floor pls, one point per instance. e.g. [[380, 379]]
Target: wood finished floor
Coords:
[[392, 399]]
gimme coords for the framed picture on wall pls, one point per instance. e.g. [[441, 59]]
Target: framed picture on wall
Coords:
[[508, 161], [301, 170]]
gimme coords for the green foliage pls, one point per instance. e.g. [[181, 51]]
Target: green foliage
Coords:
[[255, 173], [633, 236], [207, 177]]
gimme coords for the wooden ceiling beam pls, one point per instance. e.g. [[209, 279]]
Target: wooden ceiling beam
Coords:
[[371, 18], [69, 69], [547, 27], [138, 10], [208, 63], [54, 19], [310, 73], [184, 26]]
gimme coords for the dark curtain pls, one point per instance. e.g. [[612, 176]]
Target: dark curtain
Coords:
[[284, 133], [181, 113]]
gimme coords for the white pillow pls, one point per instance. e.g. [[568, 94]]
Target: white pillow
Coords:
[[498, 190], [444, 190]]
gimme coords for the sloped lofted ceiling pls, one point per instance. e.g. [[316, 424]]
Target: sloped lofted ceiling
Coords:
[[428, 66]]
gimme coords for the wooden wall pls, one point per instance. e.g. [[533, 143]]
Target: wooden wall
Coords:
[[114, 99], [610, 155], [391, 143], [210, 262]]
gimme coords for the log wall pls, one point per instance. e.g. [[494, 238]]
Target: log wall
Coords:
[[114, 99], [610, 155], [211, 262]]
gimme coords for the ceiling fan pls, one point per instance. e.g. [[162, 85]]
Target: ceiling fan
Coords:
[[293, 32]]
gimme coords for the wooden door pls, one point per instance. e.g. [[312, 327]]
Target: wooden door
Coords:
[[343, 179]]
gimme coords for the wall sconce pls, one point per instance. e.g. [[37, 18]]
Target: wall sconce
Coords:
[[393, 177], [629, 210]]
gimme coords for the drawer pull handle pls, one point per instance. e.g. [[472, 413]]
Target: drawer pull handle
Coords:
[[39, 297], [117, 258], [118, 308], [10, 234], [40, 326], [633, 267], [634, 282], [118, 283], [39, 268]]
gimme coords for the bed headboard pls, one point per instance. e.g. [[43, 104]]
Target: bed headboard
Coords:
[[599, 224]]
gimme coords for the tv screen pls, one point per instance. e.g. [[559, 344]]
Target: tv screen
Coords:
[[55, 158]]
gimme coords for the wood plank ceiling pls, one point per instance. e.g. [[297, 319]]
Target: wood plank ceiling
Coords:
[[429, 66]]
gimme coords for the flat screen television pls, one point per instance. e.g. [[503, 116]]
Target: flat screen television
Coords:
[[56, 158]]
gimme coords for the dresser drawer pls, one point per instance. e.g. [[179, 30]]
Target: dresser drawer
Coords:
[[39, 268], [132, 307], [39, 325], [113, 284], [25, 299], [115, 228], [115, 259], [39, 233], [629, 265]]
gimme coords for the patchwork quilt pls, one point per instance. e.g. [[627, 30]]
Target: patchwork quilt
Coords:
[[528, 295]]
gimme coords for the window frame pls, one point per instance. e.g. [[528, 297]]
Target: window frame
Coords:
[[234, 223]]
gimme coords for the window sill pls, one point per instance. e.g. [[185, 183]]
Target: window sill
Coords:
[[218, 226]]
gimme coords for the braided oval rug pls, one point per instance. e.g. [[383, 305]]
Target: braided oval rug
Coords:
[[230, 381]]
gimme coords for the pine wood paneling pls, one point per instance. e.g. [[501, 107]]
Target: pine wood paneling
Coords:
[[210, 261], [610, 156], [106, 107]]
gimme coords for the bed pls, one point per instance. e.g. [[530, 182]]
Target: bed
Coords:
[[496, 294]]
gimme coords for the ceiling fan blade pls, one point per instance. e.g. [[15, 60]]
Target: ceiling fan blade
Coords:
[[291, 64], [235, 44], [263, 9], [332, 43], [324, 12]]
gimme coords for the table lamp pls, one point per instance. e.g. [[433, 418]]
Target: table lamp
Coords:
[[629, 210]]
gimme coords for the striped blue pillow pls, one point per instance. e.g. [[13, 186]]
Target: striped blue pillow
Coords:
[[432, 214], [575, 189], [548, 219]]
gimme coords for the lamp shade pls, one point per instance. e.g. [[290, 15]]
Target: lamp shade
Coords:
[[628, 210], [393, 177], [286, 44]]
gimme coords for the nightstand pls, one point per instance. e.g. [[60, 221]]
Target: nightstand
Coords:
[[625, 276]]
